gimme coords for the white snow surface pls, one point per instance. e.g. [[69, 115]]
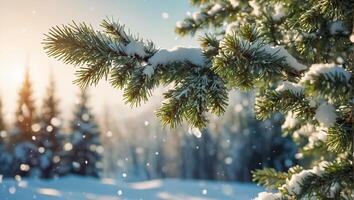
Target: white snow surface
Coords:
[[82, 188], [326, 115], [177, 54]]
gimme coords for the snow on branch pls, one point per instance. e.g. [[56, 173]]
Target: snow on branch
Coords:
[[326, 115], [292, 87], [135, 48], [290, 121], [293, 185], [177, 54], [282, 52], [329, 70], [216, 8]]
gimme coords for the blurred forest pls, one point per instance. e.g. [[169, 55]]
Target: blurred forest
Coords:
[[140, 148]]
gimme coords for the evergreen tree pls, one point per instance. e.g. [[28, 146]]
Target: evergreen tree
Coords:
[[5, 157], [85, 140], [2, 120], [50, 139], [255, 144], [23, 137], [298, 55]]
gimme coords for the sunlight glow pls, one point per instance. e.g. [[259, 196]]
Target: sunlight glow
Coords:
[[12, 77]]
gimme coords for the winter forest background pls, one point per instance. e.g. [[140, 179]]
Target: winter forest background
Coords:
[[41, 137], [229, 93], [41, 143]]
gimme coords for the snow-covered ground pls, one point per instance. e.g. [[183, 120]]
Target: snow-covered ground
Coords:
[[78, 188]]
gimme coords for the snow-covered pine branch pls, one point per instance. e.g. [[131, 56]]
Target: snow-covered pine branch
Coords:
[[329, 81], [138, 67]]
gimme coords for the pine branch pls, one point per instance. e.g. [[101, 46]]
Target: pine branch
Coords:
[[321, 186], [137, 67], [269, 178], [283, 101]]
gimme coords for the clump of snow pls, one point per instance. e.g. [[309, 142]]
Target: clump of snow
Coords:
[[198, 17], [316, 137], [267, 196], [326, 115], [326, 69], [181, 24], [336, 27], [279, 12], [135, 48], [290, 121], [234, 3], [256, 9], [313, 133], [293, 185], [289, 86], [213, 10], [149, 71], [282, 52], [177, 54]]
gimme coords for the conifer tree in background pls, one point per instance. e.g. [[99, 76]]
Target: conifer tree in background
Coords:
[[5, 156], [49, 139], [298, 55], [23, 136], [86, 150], [2, 121], [254, 143]]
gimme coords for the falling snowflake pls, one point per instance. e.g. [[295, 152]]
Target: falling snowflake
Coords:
[[165, 15]]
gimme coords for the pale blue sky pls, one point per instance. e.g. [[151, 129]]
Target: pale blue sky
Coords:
[[23, 23]]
